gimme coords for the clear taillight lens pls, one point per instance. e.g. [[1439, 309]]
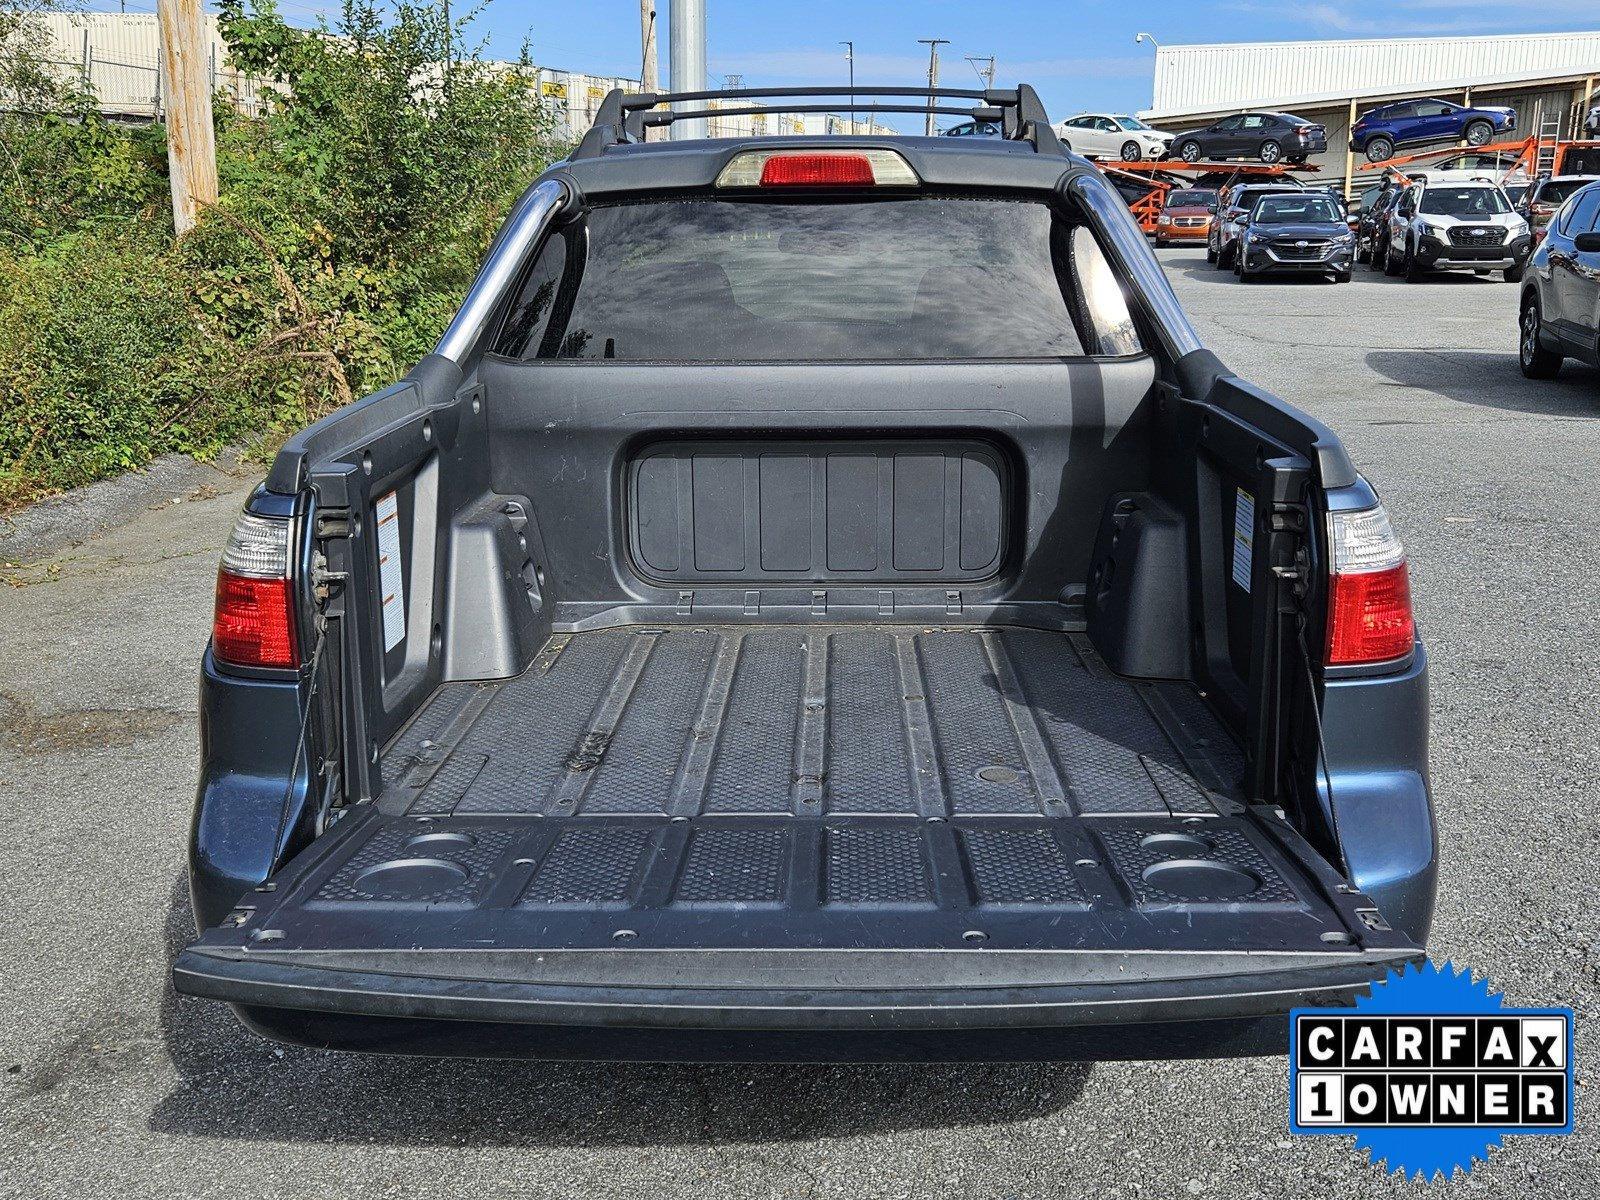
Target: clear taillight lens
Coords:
[[253, 624], [1369, 590]]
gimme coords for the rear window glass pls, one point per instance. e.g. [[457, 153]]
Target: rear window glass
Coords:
[[706, 280]]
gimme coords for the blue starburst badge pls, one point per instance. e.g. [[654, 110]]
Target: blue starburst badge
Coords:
[[1429, 1070]]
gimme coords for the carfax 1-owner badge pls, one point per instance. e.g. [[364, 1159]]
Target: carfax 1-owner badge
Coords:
[[1430, 1070]]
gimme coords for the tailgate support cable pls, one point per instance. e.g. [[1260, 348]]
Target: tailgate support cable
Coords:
[[1316, 718], [300, 741]]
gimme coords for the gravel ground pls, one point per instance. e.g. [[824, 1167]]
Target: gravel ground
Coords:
[[112, 1086]]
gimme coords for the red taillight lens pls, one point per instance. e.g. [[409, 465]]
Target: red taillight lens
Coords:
[[1369, 591], [817, 170], [1369, 617], [254, 622]]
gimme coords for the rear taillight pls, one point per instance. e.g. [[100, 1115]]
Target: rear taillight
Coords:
[[254, 621], [817, 169], [1369, 590]]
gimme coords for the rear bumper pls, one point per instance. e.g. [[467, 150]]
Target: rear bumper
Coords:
[[1217, 1014]]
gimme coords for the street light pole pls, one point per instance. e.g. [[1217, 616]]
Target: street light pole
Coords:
[[933, 45], [850, 57]]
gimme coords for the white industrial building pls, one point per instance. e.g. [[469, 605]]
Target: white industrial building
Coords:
[[118, 56], [1549, 78]]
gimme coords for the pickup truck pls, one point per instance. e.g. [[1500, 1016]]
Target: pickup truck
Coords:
[[820, 600]]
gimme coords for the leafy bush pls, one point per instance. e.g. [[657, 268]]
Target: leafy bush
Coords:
[[351, 217]]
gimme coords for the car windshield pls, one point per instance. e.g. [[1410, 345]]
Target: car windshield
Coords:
[[1463, 202], [1131, 123], [1280, 210], [1192, 198], [761, 280], [1558, 190]]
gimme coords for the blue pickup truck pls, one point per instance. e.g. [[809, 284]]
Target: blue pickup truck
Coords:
[[820, 600]]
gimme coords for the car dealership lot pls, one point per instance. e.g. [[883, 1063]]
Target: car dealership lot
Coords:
[[113, 1086]]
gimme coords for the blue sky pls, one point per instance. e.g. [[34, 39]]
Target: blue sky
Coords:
[[1079, 54]]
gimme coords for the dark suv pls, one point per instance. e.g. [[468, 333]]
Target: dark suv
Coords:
[[1559, 316], [1268, 136], [1295, 233], [820, 599], [1234, 202], [1418, 122]]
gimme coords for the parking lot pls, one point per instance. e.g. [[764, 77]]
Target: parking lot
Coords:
[[112, 1086]]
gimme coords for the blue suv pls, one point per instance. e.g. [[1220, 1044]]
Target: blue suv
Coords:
[[1412, 122]]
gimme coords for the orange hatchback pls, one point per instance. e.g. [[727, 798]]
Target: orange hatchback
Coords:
[[1186, 216]]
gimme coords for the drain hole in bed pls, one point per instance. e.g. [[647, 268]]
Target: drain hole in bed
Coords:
[[999, 775], [410, 878], [1197, 879], [438, 842], [1176, 843]]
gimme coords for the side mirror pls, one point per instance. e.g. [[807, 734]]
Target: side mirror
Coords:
[[1587, 243]]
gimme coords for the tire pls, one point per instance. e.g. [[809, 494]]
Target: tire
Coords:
[[1066, 145], [1228, 258], [1211, 255], [1130, 151], [1379, 251], [1297, 160], [1161, 243], [1536, 362], [1408, 266], [1364, 256], [1478, 133], [1270, 151], [1513, 274], [1343, 277], [1379, 148], [1189, 151]]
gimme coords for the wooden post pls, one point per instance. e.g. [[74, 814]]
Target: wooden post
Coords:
[[191, 141], [648, 78], [1349, 152]]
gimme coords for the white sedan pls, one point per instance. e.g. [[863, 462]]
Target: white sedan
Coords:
[[1113, 136]]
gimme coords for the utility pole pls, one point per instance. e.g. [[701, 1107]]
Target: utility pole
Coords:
[[648, 81], [688, 47], [985, 73], [191, 141], [933, 45], [850, 57]]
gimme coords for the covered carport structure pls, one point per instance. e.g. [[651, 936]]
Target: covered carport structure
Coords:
[[1551, 79]]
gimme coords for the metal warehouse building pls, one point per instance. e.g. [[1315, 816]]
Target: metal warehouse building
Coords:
[[1549, 78]]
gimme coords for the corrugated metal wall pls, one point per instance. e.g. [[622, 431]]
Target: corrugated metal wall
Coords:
[[1207, 79]]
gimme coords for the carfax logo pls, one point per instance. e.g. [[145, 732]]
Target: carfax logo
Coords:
[[1430, 1070]]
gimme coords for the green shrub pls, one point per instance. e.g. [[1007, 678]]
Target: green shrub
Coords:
[[351, 218]]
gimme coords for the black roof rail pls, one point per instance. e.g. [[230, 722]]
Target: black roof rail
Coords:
[[623, 116]]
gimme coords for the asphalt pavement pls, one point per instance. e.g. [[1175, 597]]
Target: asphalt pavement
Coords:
[[111, 1086]]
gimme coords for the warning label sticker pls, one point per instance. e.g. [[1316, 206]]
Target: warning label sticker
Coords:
[[391, 576], [1244, 537]]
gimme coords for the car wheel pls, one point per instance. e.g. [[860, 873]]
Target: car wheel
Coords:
[[1270, 151], [1535, 360], [1211, 253], [1130, 151], [1375, 259], [1409, 267], [1391, 264], [1228, 258], [1066, 145], [1161, 243], [1478, 133], [1189, 151], [1342, 277], [1513, 274], [1379, 148], [1297, 160]]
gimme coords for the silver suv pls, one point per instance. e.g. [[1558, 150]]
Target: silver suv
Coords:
[[1468, 226]]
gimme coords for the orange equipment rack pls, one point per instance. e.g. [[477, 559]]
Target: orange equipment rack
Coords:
[[1161, 175]]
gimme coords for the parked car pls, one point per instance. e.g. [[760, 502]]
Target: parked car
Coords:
[[1372, 234], [1559, 316], [1186, 215], [1268, 136], [986, 129], [1233, 203], [1455, 227], [1379, 132], [1114, 136], [1541, 201], [1365, 214], [919, 641], [1295, 233]]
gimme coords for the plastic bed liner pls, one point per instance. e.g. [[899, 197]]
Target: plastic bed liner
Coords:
[[769, 828]]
